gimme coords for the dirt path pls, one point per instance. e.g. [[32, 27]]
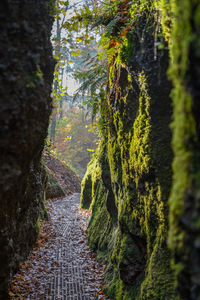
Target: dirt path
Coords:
[[61, 266]]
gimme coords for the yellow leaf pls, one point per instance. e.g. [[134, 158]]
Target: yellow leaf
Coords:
[[77, 53], [78, 39], [15, 288]]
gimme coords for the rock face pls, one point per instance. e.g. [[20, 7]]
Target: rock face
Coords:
[[130, 177], [134, 184], [26, 70], [184, 234], [127, 183]]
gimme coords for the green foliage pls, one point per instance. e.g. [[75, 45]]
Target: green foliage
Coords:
[[93, 76], [92, 80]]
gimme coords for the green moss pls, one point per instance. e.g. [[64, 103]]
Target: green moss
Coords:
[[140, 148], [184, 132], [122, 254], [184, 50], [38, 73], [141, 211], [146, 219], [183, 123], [53, 189], [36, 78], [41, 195], [51, 7], [134, 246], [88, 183], [166, 18], [37, 226], [93, 196], [100, 224], [114, 156], [159, 278], [86, 189]]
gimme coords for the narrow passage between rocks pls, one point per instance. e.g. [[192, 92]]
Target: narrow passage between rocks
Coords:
[[61, 266]]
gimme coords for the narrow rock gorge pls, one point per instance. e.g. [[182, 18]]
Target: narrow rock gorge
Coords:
[[142, 183]]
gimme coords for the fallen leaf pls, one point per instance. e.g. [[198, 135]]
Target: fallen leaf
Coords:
[[11, 294]]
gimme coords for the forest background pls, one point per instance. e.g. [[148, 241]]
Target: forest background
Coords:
[[78, 78]]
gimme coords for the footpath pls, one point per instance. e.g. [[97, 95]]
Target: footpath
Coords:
[[61, 266]]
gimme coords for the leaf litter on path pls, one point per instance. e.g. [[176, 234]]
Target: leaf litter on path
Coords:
[[61, 265]]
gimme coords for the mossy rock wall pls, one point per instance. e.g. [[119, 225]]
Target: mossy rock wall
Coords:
[[26, 71], [128, 182], [184, 234]]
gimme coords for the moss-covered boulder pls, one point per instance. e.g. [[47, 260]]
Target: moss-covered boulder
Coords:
[[64, 180], [53, 188]]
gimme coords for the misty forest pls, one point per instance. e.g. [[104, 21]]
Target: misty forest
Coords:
[[100, 149]]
